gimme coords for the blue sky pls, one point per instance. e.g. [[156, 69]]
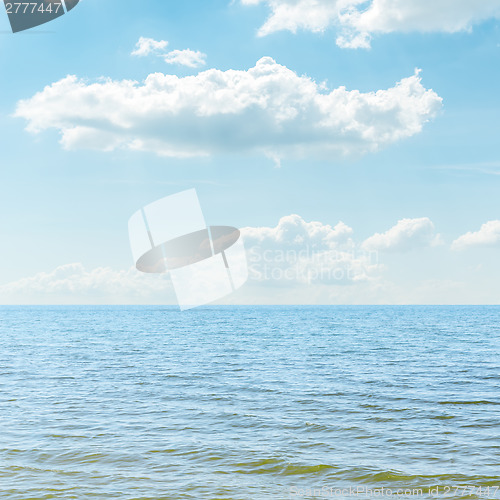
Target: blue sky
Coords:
[[65, 206]]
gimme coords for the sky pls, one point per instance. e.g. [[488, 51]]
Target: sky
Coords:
[[354, 143]]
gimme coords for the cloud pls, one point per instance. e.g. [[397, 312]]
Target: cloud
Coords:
[[267, 109], [406, 235], [296, 252], [298, 262], [388, 16], [488, 235], [358, 20], [186, 57], [293, 231], [291, 15], [147, 46], [71, 282]]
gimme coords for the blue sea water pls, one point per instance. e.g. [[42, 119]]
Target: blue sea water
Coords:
[[249, 403]]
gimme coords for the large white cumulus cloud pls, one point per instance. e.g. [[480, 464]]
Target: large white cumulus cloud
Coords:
[[358, 20], [268, 109]]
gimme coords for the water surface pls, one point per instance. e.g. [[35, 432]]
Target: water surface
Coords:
[[248, 403]]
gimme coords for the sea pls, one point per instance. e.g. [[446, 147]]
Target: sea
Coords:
[[249, 403]]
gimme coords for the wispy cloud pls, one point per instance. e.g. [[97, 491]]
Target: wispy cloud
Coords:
[[487, 168], [186, 57], [147, 46]]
